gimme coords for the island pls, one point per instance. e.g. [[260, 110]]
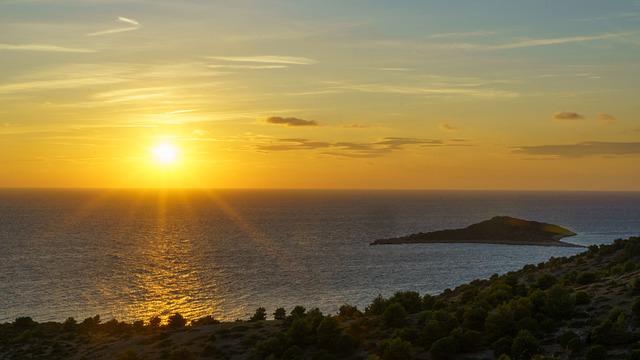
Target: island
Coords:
[[498, 230]]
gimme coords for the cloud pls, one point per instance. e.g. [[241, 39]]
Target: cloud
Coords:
[[291, 121], [566, 115], [200, 132], [44, 48], [591, 148], [461, 34], [379, 148], [355, 126], [135, 26], [269, 59], [470, 46], [606, 118], [294, 144], [448, 127], [554, 41]]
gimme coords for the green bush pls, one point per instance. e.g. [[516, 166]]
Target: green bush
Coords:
[[395, 316], [502, 346], [586, 278], [444, 348], [596, 352], [524, 346], [396, 349]]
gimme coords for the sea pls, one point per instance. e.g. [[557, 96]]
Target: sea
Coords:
[[135, 254]]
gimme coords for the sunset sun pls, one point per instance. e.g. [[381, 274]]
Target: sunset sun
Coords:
[[165, 154]]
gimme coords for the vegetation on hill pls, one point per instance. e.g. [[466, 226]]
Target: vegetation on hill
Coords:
[[584, 307], [499, 229]]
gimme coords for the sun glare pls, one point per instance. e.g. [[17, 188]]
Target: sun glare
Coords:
[[165, 153]]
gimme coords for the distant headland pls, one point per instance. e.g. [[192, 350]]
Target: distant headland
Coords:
[[498, 230]]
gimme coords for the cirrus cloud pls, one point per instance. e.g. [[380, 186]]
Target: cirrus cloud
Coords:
[[582, 149]]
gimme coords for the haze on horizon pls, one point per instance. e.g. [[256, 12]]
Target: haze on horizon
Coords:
[[320, 94]]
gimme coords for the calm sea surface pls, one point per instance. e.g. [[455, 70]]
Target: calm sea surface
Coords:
[[134, 254]]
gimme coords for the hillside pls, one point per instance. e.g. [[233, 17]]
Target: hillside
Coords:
[[583, 307]]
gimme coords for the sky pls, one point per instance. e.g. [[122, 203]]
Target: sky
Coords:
[[355, 94]]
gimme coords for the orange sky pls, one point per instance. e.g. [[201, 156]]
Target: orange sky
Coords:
[[364, 94]]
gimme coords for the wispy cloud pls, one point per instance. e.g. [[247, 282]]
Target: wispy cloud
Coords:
[[448, 127], [290, 121], [606, 118], [583, 149], [268, 59], [457, 35], [554, 41], [135, 25], [44, 48], [444, 91], [566, 115], [472, 46], [379, 148]]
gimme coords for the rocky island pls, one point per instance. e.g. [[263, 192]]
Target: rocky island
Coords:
[[498, 230]]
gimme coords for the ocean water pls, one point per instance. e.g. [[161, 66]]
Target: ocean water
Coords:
[[134, 254]]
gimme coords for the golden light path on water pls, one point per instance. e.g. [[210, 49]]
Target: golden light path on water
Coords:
[[167, 274]]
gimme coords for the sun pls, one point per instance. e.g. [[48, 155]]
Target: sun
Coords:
[[165, 153]]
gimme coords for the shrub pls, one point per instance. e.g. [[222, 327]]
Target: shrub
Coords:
[[349, 312], [471, 341], [582, 298], [260, 314], [474, 317], [635, 309], [524, 346], [575, 345], [176, 321], [502, 346], [279, 314], [155, 321], [128, 355], [596, 352], [207, 320], [444, 348], [396, 349], [24, 322], [395, 315], [181, 353], [410, 300], [295, 352], [633, 355], [586, 278], [69, 324]]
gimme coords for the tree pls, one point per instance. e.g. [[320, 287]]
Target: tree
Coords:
[[279, 314], [260, 314], [524, 346], [155, 321], [24, 322], [177, 321], [395, 315]]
